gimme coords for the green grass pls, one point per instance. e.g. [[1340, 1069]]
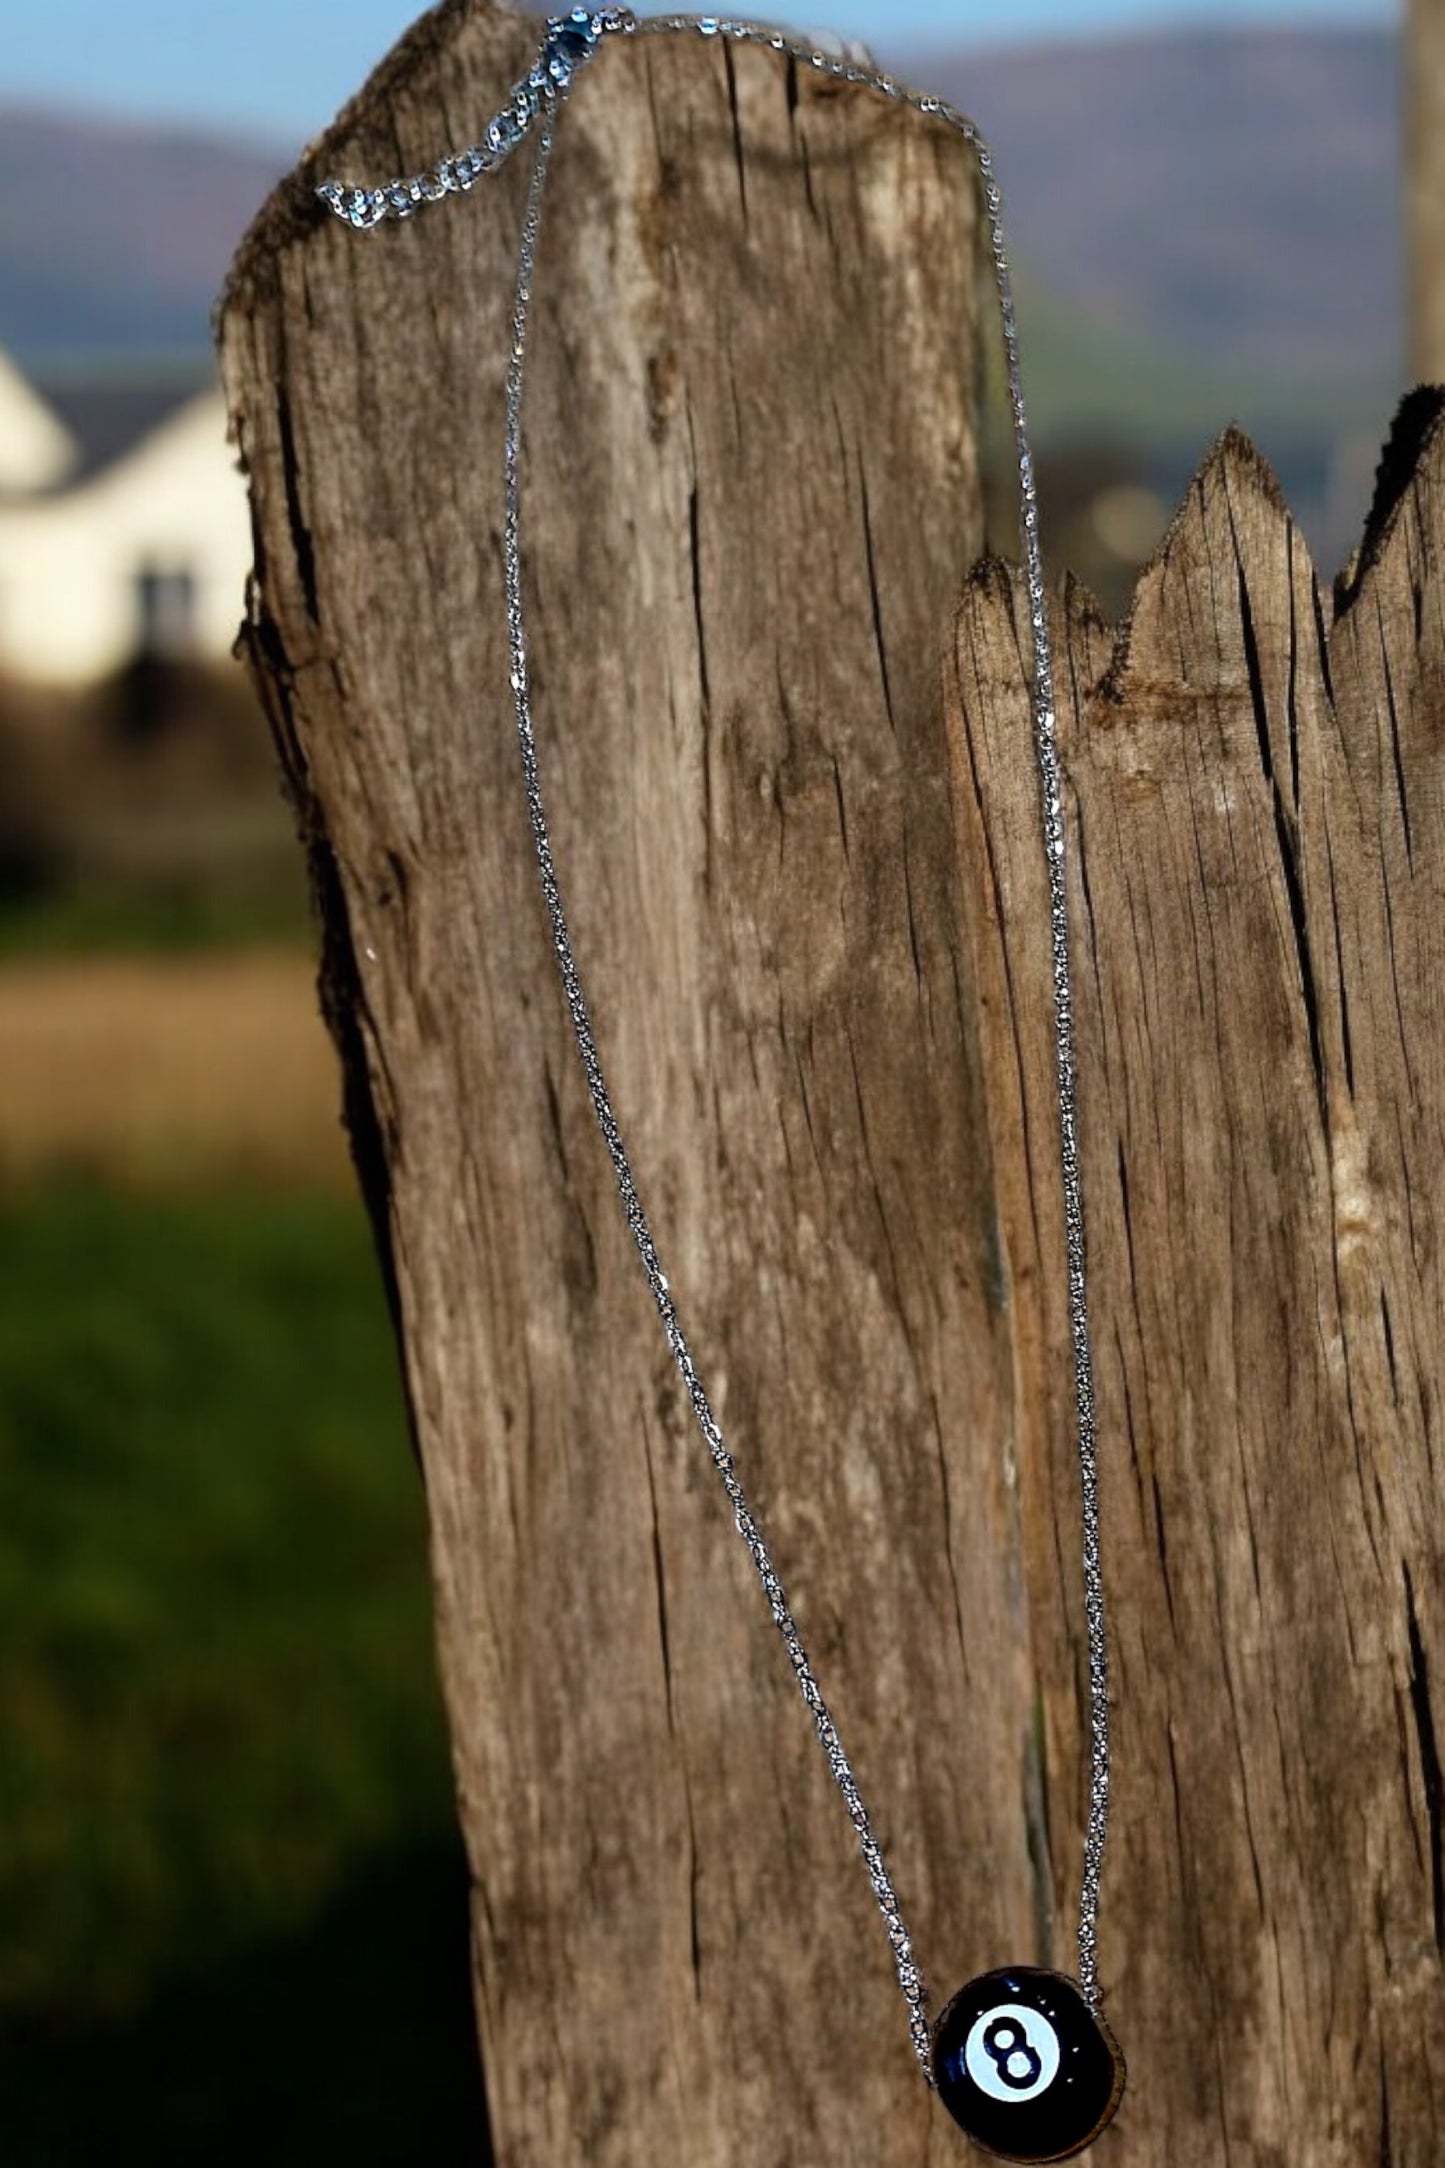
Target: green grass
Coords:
[[218, 1707], [138, 919]]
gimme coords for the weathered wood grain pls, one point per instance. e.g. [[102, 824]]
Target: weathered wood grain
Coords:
[[802, 865], [1258, 879], [751, 500]]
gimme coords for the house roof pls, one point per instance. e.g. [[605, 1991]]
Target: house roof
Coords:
[[107, 412], [36, 451]]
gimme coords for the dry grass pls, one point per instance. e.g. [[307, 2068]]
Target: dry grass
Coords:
[[168, 1069]]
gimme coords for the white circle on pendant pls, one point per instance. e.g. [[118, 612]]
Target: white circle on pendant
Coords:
[[1022, 2062]]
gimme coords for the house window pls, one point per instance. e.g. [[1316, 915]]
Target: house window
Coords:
[[165, 610]]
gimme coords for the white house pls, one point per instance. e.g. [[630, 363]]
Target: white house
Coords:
[[37, 451], [123, 527]]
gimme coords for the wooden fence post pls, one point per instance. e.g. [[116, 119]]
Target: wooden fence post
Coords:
[[802, 866], [1257, 781]]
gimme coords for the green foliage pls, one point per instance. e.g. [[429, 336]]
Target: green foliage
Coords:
[[133, 919]]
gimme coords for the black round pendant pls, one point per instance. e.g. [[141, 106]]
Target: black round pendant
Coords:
[[1024, 2066]]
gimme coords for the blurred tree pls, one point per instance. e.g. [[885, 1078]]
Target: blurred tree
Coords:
[[1424, 180]]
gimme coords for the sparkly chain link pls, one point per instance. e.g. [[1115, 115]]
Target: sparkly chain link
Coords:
[[533, 105]]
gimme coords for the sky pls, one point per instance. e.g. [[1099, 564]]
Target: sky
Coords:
[[278, 69]]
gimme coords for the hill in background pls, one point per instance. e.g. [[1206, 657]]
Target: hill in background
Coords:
[[1231, 194], [1204, 224], [126, 235]]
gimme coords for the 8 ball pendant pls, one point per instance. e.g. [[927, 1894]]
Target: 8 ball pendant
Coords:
[[1024, 2066]]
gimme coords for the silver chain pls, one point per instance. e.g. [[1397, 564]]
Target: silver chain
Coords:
[[534, 104]]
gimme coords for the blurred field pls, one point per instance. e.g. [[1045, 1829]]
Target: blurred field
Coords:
[[232, 1901], [168, 1069]]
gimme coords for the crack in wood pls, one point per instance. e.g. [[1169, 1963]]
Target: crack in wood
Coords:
[[1431, 1779]]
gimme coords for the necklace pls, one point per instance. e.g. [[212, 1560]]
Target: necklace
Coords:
[[1021, 2056]]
